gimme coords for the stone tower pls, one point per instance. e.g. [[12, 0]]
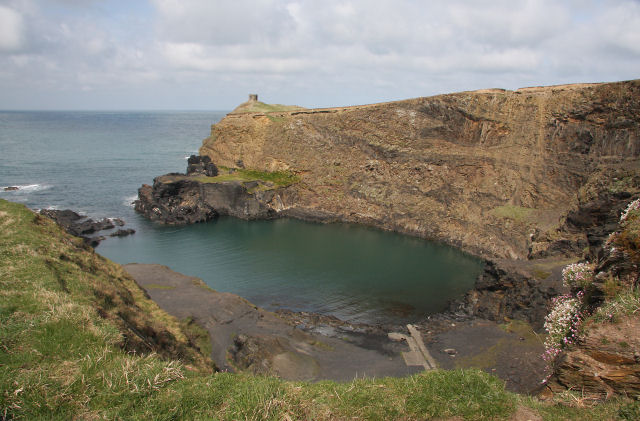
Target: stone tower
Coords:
[[253, 97]]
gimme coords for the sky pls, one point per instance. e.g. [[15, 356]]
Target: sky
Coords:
[[210, 54]]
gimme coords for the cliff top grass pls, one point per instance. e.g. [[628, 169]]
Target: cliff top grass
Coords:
[[80, 340], [261, 107]]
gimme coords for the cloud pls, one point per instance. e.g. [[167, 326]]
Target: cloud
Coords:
[[11, 30], [210, 53], [290, 36]]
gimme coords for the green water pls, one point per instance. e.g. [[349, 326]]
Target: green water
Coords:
[[352, 272]]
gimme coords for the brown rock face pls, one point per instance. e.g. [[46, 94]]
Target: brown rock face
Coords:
[[489, 171], [606, 362]]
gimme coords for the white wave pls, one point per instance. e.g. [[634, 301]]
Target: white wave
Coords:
[[128, 201], [25, 187]]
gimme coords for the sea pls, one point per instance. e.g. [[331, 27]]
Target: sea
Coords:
[[93, 162]]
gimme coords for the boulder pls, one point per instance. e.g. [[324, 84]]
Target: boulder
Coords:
[[201, 165]]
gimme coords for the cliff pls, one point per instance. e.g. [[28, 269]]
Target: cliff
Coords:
[[494, 172]]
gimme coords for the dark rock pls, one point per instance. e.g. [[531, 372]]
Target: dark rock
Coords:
[[11, 188], [201, 165], [170, 202], [502, 291], [81, 226], [123, 232], [184, 200]]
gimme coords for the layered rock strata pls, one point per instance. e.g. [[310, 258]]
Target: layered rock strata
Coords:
[[488, 171], [506, 175]]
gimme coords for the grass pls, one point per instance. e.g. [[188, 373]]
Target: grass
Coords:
[[80, 340], [625, 303], [261, 107], [278, 178], [515, 213]]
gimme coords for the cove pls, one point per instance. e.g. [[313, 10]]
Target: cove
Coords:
[[355, 273]]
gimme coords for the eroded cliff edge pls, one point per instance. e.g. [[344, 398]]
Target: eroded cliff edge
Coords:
[[489, 171]]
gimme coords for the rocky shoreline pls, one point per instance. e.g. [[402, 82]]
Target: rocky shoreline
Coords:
[[85, 227], [308, 346]]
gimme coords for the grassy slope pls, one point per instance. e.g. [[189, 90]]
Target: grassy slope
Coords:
[[261, 107], [278, 178], [78, 339]]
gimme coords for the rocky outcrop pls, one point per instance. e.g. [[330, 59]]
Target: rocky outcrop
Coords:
[[201, 165], [83, 226], [454, 168], [605, 362], [505, 291], [179, 199]]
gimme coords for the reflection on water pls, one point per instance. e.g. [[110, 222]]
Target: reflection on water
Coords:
[[352, 272]]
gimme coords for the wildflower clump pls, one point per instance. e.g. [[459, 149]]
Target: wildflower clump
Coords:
[[578, 275], [562, 324], [625, 243], [633, 206]]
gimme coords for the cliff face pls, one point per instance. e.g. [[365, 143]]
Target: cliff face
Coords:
[[494, 172], [176, 199]]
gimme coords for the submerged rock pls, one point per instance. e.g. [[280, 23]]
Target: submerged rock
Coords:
[[123, 232]]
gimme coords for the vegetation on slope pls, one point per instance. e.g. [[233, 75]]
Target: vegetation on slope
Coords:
[[278, 178], [79, 339], [261, 107], [592, 336]]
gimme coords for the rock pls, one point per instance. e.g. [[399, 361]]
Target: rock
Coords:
[[450, 351], [450, 167], [123, 232], [179, 202], [503, 290], [201, 165], [81, 226], [179, 199], [604, 362], [11, 188]]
